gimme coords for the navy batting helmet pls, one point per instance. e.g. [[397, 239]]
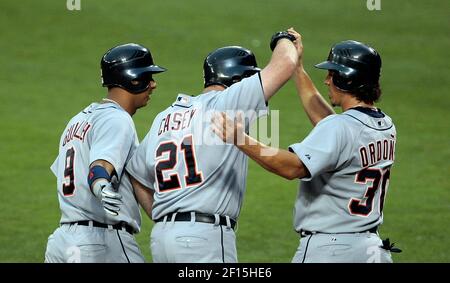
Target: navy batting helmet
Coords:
[[228, 65], [355, 65], [129, 66]]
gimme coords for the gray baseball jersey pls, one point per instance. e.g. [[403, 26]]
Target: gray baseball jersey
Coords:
[[100, 131], [349, 156], [186, 164]]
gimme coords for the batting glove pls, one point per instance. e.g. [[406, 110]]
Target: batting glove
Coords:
[[110, 198]]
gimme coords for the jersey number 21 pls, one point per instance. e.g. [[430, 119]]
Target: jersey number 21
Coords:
[[191, 178]]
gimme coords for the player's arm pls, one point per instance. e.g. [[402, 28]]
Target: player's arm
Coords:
[[111, 141], [279, 161], [313, 103], [105, 164], [100, 176], [144, 196], [280, 68]]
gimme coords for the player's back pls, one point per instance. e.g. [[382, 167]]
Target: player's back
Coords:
[[349, 195], [194, 170], [86, 138], [188, 166]]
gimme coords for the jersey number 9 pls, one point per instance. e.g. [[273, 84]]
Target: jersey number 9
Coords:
[[69, 183]]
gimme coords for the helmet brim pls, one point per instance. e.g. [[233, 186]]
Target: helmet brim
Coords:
[[344, 70], [153, 69]]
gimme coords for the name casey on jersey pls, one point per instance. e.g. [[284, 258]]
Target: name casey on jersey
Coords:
[[377, 151], [176, 121]]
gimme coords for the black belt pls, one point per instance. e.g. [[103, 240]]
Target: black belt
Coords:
[[117, 226], [304, 233], [199, 217]]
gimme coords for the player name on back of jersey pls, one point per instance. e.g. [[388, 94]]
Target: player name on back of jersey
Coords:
[[374, 152], [176, 121], [76, 131]]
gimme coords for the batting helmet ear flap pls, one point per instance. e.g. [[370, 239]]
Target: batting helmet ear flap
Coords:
[[343, 82]]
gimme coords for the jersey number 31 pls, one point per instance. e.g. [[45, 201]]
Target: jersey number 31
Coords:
[[364, 207]]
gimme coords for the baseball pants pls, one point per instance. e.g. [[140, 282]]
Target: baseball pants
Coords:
[[73, 243], [195, 242], [342, 248]]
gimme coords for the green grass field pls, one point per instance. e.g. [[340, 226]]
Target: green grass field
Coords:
[[49, 71]]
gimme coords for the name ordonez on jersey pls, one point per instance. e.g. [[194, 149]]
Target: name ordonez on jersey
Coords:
[[181, 120]]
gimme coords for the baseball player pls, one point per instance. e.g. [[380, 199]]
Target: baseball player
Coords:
[[344, 164], [93, 151], [197, 186]]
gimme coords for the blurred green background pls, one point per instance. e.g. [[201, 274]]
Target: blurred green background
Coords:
[[49, 71]]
